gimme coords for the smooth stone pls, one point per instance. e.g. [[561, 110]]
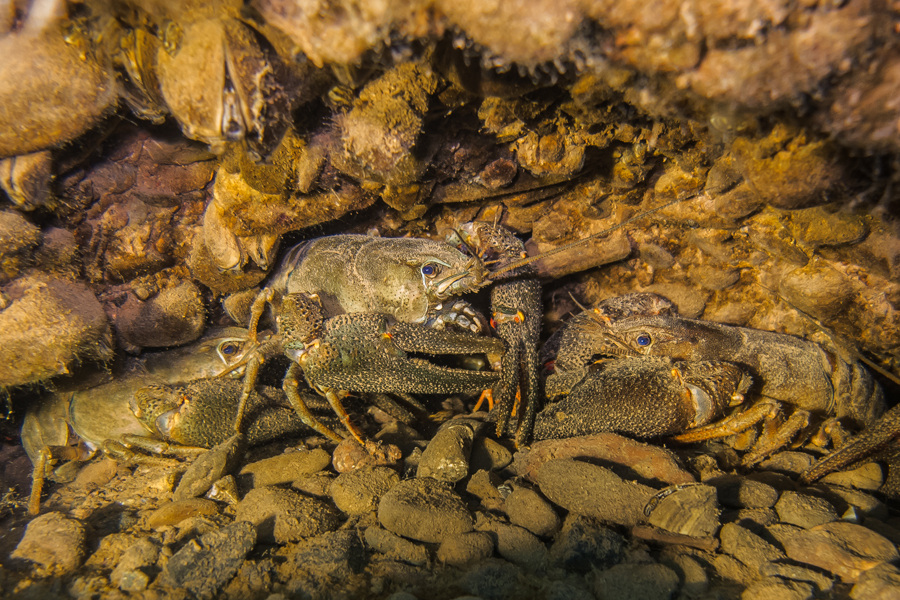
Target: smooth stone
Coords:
[[652, 464], [866, 505], [446, 457], [790, 463], [465, 548], [395, 547], [803, 510], [284, 468], [775, 588], [746, 516], [358, 492], [630, 581], [798, 573], [842, 548], [693, 577], [489, 454], [692, 510], [425, 510], [516, 544], [868, 476], [747, 547], [54, 542], [526, 508], [203, 566], [593, 491], [583, 545], [740, 492], [881, 582], [336, 554], [494, 579], [317, 485], [173, 513], [283, 516]]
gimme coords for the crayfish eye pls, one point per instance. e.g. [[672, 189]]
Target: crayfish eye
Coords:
[[643, 340], [430, 269]]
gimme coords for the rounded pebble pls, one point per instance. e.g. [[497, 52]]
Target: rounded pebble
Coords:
[[54, 542], [635, 582], [593, 491], [528, 509], [424, 509], [283, 516], [803, 510], [284, 468], [359, 491], [175, 512], [465, 548]]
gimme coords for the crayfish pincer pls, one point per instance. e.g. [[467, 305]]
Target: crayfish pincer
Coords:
[[351, 308], [817, 382]]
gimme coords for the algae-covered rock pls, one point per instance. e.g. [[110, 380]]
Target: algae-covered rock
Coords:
[[47, 327]]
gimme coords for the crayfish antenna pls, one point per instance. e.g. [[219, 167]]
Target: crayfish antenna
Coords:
[[531, 259]]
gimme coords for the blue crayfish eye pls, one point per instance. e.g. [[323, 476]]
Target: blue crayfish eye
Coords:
[[643, 340], [429, 270]]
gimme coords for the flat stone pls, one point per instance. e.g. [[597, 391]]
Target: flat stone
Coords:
[[338, 554], [424, 509], [206, 564], [284, 468], [790, 463], [652, 464], [845, 549], [526, 508], [747, 547], [794, 572], [745, 516], [131, 573], [583, 545], [803, 510], [516, 544], [466, 548], [632, 581], [54, 542], [395, 547], [283, 516], [593, 491], [358, 492], [775, 588], [868, 476], [173, 513], [692, 510], [881, 582], [865, 504]]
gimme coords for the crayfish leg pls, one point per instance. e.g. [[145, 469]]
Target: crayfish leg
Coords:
[[778, 438], [46, 457], [732, 424], [290, 385]]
